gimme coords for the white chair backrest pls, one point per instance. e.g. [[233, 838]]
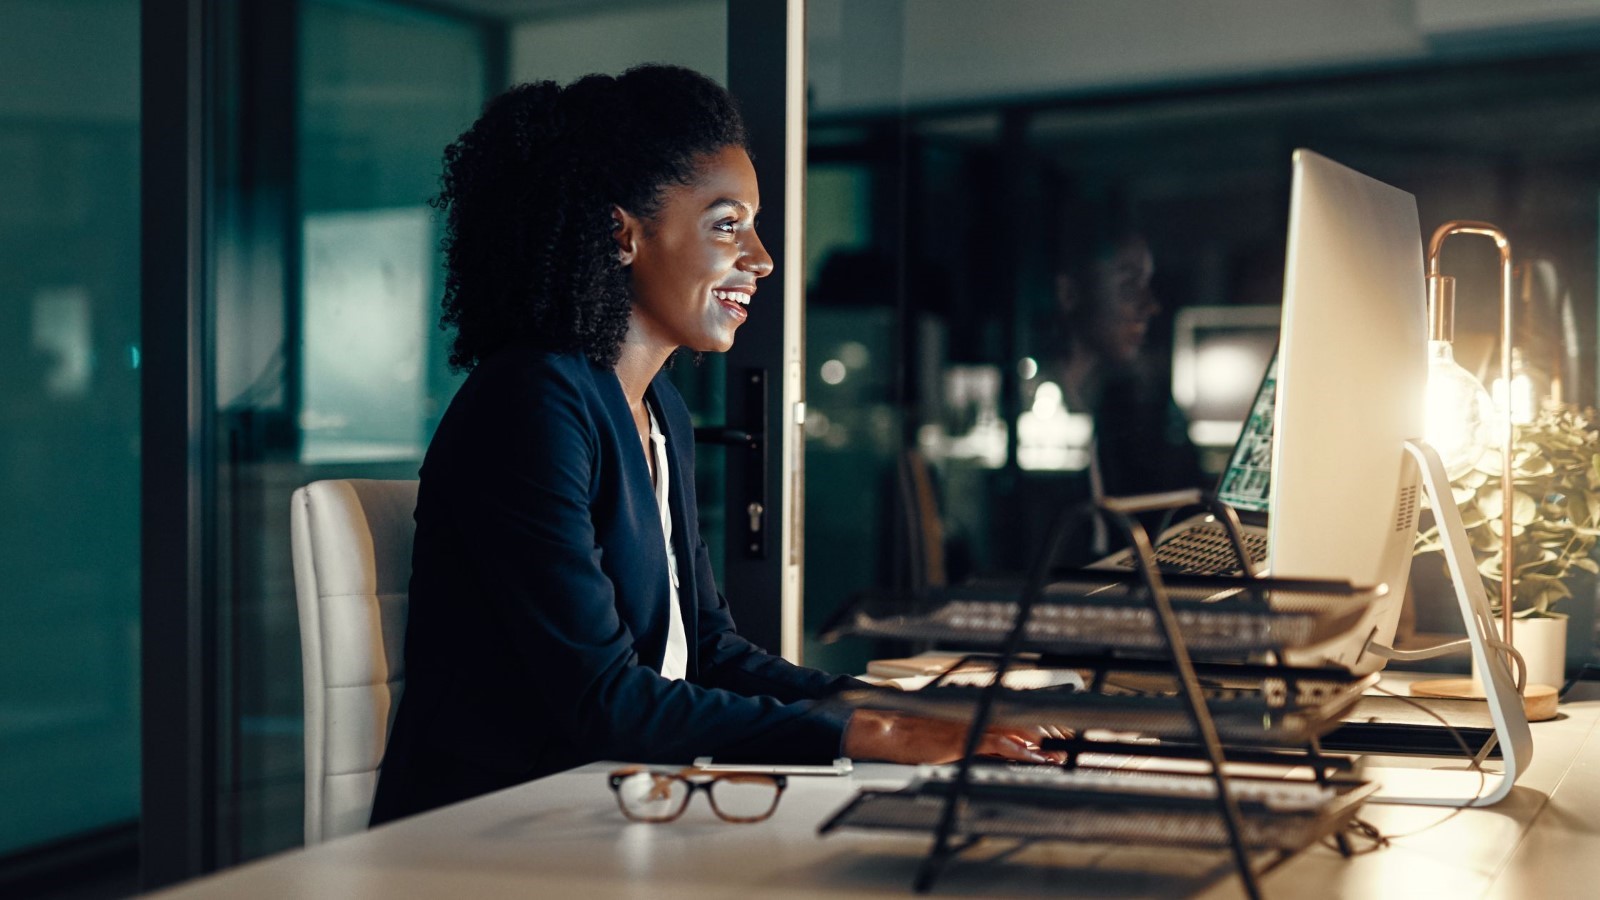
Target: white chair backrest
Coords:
[[352, 570]]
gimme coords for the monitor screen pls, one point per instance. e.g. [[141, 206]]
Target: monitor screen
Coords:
[[1246, 483], [1352, 372]]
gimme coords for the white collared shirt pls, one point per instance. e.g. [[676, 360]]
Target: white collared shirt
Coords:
[[675, 663]]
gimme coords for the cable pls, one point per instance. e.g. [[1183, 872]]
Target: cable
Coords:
[[1475, 764], [1490, 641], [1461, 742], [1360, 828]]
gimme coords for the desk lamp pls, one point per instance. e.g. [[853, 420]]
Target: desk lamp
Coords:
[[1460, 414], [1478, 422], [1439, 289]]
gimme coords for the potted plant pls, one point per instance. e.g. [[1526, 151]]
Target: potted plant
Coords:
[[1556, 515]]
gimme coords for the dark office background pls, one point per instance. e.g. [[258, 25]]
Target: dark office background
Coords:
[[960, 153]]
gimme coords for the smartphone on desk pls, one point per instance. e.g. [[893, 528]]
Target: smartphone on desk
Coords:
[[839, 766]]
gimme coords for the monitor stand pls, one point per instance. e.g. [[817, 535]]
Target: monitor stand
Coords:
[[1458, 785]]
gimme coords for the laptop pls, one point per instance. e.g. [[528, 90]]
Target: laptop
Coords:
[[1199, 545]]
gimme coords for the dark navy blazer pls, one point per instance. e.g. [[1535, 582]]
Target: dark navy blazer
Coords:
[[538, 608]]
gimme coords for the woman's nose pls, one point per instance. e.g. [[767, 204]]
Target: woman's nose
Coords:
[[1145, 303], [755, 258]]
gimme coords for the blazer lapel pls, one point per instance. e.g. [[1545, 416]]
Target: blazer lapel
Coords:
[[641, 600]]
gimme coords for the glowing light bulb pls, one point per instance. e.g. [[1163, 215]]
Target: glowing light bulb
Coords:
[[1461, 417]]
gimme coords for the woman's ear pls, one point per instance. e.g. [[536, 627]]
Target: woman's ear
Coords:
[[626, 234]]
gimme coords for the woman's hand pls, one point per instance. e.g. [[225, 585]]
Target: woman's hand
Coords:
[[899, 738]]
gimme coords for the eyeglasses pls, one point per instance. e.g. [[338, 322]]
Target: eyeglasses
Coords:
[[651, 796]]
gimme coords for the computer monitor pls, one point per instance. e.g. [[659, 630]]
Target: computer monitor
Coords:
[[1352, 372]]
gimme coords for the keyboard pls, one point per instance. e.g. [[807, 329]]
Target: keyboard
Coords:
[[1101, 609], [1270, 794], [1201, 550], [1132, 625]]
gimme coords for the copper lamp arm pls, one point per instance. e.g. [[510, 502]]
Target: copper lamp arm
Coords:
[[1507, 434]]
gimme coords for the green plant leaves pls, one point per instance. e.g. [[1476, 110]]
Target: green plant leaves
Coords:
[[1524, 509], [1555, 508]]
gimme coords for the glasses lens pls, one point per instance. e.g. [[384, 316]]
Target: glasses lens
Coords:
[[652, 796], [744, 797]]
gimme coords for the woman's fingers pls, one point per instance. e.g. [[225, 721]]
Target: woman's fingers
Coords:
[[1012, 744], [894, 737], [1051, 731]]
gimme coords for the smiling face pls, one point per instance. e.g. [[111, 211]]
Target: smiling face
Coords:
[[693, 265], [1125, 303]]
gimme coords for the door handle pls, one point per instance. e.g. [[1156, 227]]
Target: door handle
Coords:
[[730, 437]]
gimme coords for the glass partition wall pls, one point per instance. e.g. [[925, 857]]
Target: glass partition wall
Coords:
[[329, 362], [1045, 245], [69, 427]]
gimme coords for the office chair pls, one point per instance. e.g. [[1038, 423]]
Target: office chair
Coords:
[[924, 565], [352, 569]]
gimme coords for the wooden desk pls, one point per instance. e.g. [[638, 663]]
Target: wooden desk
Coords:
[[563, 837]]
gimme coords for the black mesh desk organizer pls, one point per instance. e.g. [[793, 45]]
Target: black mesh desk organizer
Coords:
[[1177, 666]]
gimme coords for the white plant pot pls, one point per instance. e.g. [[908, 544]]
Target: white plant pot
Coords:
[[1543, 645]]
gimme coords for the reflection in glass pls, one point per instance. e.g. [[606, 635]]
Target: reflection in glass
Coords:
[[1086, 217], [328, 357], [1050, 436], [61, 319], [69, 420], [368, 306]]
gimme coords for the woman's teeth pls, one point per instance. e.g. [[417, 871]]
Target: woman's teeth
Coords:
[[739, 297]]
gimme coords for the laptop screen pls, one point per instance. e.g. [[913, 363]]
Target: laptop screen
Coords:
[[1246, 481]]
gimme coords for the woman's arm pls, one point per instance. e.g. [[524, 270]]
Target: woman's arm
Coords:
[[728, 660]]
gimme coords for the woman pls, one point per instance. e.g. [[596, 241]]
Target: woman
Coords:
[[558, 615], [1105, 307]]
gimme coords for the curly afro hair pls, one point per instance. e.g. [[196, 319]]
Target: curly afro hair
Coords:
[[528, 191]]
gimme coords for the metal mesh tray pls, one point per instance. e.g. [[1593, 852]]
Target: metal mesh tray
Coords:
[[1186, 816], [1275, 711], [1096, 610]]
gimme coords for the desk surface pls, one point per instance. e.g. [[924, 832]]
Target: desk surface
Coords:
[[563, 837]]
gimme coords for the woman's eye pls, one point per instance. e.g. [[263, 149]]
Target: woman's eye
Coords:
[[727, 226]]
